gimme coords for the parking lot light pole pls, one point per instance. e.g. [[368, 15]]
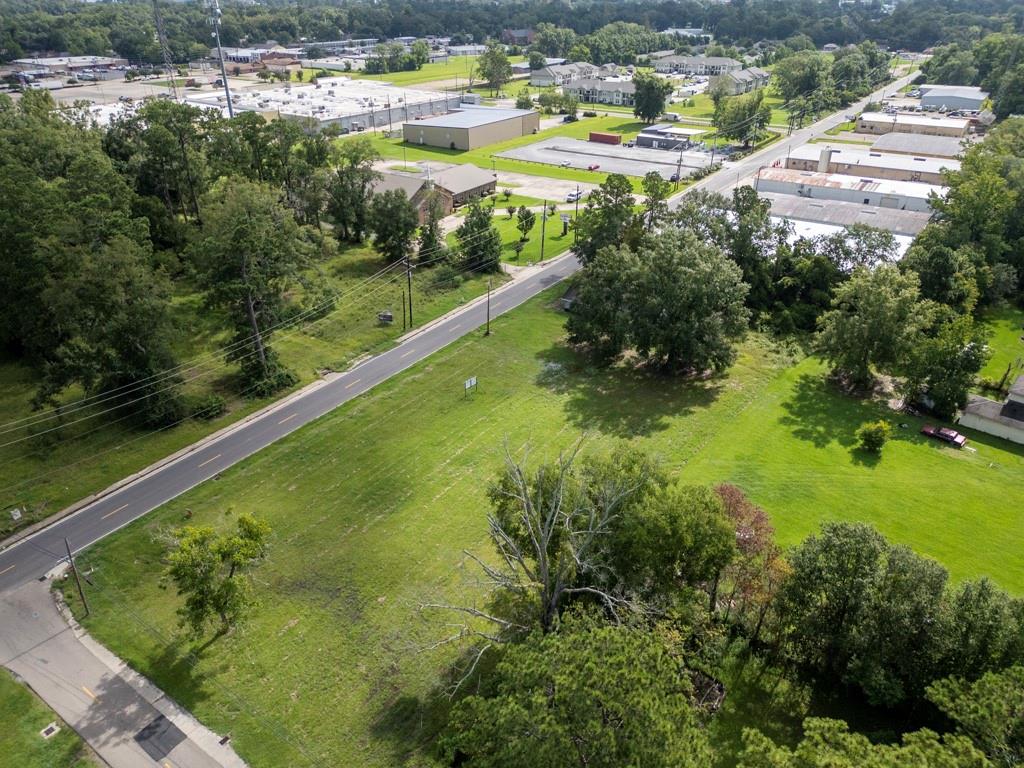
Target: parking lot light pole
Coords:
[[576, 219]]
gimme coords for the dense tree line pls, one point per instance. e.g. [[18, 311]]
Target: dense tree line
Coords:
[[128, 28], [993, 62], [102, 226], [615, 593]]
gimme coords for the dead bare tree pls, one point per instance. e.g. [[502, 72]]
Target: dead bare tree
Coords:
[[551, 530]]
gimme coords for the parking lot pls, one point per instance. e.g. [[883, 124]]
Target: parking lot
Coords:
[[631, 161]]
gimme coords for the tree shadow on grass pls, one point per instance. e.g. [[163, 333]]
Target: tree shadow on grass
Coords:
[[411, 724], [622, 400], [820, 414], [176, 669]]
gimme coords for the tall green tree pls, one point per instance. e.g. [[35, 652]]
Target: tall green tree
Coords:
[[250, 252], [592, 695], [350, 187], [875, 320], [656, 192], [989, 711], [743, 118], [942, 366], [430, 244], [681, 304], [650, 95], [393, 221], [830, 743], [525, 222], [493, 66], [211, 570], [479, 240], [606, 217]]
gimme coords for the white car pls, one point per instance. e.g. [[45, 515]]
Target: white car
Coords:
[[572, 197]]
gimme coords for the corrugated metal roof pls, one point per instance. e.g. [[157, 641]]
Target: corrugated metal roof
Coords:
[[472, 118], [849, 156], [913, 143], [462, 178], [843, 214], [903, 119], [842, 181]]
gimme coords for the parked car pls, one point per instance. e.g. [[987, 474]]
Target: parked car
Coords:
[[572, 197], [945, 434], [565, 163], [593, 167], [674, 177]]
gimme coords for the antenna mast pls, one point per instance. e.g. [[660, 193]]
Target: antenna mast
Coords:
[[214, 7], [165, 49]]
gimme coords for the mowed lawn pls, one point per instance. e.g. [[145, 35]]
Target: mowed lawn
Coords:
[[22, 717], [374, 506], [41, 474], [455, 67]]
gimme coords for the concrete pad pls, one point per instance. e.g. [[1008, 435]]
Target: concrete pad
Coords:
[[631, 161]]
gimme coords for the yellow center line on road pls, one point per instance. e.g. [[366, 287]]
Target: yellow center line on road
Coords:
[[209, 460], [287, 418], [123, 506], [352, 384], [8, 568], [91, 694], [408, 353]]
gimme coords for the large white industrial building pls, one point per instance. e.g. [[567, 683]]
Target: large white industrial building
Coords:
[[883, 193], [351, 105], [855, 161]]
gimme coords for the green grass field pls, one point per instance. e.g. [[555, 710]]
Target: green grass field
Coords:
[[487, 157], [555, 242], [374, 505], [41, 475], [455, 67], [22, 717], [1006, 342]]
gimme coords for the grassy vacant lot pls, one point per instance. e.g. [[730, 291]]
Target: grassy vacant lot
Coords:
[[22, 717], [484, 156], [704, 109], [374, 505], [42, 475], [555, 242], [1006, 342], [455, 67]]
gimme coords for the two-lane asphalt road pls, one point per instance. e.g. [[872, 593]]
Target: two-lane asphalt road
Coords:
[[35, 555]]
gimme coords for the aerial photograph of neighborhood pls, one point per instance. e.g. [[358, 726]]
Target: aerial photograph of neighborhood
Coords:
[[512, 384]]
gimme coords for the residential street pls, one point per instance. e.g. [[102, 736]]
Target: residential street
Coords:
[[124, 718]]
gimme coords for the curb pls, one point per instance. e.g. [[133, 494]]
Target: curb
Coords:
[[204, 739], [40, 525]]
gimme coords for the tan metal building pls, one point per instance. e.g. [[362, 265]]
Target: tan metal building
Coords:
[[867, 164], [881, 122], [472, 127]]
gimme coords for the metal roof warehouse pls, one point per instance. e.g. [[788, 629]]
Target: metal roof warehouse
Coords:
[[471, 127]]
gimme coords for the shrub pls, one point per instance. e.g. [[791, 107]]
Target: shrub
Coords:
[[590, 113], [207, 408], [873, 435]]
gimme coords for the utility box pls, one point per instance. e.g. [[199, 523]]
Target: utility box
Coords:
[[600, 137]]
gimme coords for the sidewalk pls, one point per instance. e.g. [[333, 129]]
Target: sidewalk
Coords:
[[127, 720]]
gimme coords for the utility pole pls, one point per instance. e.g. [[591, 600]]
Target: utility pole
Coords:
[[403, 309], [543, 223], [408, 282], [215, 21], [488, 331], [78, 581], [576, 219]]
